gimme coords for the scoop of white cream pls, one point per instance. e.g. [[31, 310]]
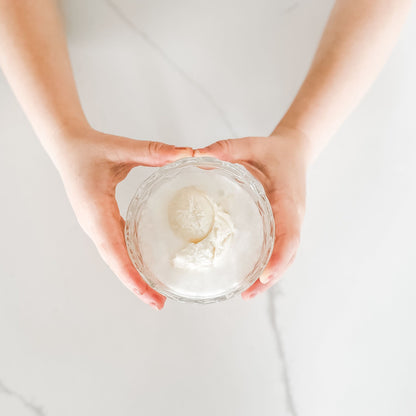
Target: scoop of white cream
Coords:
[[204, 225]]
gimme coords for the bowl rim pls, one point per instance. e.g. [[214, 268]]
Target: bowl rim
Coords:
[[139, 200]]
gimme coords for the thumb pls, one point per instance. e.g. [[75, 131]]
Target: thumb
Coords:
[[151, 153], [221, 150]]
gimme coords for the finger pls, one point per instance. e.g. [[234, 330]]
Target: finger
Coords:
[[150, 153], [287, 228], [284, 256], [222, 149], [106, 228]]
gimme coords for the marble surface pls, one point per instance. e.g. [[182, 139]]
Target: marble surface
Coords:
[[335, 337]]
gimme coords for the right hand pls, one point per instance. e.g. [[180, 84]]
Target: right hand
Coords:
[[280, 163], [91, 165]]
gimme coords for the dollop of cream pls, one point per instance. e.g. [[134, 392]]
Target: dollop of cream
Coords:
[[204, 225], [191, 214]]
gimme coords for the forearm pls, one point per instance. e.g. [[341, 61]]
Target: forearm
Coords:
[[34, 59], [355, 44]]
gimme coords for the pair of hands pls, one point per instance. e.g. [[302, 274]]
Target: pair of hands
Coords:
[[92, 163]]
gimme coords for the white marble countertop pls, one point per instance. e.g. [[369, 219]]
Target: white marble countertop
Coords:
[[335, 337]]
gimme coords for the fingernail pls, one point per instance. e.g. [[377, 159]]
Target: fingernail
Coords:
[[138, 292], [154, 306], [266, 280]]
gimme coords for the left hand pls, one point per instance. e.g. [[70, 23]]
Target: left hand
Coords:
[[280, 163], [91, 165]]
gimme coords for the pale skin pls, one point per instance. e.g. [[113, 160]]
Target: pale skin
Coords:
[[356, 42]]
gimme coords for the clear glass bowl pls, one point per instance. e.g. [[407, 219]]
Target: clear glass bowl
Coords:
[[232, 171]]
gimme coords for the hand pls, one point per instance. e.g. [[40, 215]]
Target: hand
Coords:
[[280, 163], [91, 165]]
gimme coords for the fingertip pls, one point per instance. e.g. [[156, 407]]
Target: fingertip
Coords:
[[162, 303], [177, 153], [138, 291], [181, 152], [157, 306], [245, 296], [149, 296], [198, 152], [248, 296], [154, 306], [157, 300], [266, 279]]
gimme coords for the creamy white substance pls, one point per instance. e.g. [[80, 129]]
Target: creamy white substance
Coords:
[[164, 236], [204, 225]]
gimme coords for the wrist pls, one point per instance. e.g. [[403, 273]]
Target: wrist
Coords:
[[63, 130], [58, 139], [302, 142]]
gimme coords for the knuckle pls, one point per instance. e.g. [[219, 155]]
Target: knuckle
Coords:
[[222, 147], [154, 148], [226, 145]]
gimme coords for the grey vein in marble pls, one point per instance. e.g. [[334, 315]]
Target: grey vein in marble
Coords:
[[36, 410], [145, 37], [271, 295], [291, 8]]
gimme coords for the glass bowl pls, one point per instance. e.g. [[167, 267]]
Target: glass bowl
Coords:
[[234, 172]]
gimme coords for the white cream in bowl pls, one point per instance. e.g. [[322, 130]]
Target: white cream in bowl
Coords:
[[204, 226], [200, 230]]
